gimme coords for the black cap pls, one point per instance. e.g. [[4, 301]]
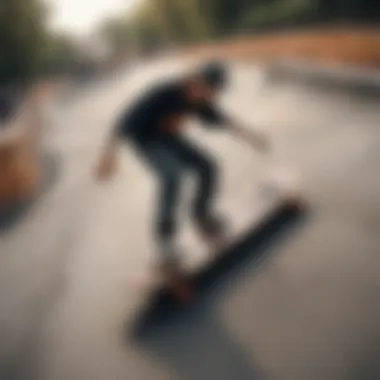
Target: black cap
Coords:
[[214, 74]]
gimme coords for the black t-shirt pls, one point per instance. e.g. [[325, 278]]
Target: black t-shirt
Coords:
[[145, 121]]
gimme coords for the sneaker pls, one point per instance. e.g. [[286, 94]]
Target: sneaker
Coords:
[[170, 266], [212, 228]]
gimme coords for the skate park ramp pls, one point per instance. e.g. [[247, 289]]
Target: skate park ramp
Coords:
[[303, 306]]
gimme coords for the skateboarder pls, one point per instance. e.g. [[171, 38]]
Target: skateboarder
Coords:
[[153, 128]]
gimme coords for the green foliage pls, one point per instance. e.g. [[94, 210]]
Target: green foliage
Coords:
[[184, 21], [26, 49], [170, 21], [62, 55], [22, 39], [223, 15], [159, 23], [276, 12], [362, 10], [116, 33]]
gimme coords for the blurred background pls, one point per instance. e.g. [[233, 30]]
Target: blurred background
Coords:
[[40, 40], [53, 47], [305, 71]]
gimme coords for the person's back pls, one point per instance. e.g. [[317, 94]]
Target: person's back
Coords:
[[142, 120], [160, 113]]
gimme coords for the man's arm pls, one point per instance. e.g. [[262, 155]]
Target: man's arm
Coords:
[[107, 164], [211, 115], [255, 138]]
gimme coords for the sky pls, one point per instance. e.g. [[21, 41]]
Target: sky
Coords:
[[80, 17]]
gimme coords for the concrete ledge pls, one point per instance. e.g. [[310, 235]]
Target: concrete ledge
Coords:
[[364, 81]]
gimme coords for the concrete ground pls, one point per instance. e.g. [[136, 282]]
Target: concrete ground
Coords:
[[309, 311]]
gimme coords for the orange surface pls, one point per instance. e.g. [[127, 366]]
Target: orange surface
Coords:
[[345, 46], [19, 173]]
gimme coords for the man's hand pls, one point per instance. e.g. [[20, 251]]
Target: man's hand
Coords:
[[260, 141], [107, 165]]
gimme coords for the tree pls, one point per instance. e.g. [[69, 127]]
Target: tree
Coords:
[[22, 39], [158, 23], [61, 56], [116, 34], [348, 9], [278, 13]]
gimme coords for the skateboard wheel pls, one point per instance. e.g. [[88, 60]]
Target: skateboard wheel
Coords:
[[183, 294]]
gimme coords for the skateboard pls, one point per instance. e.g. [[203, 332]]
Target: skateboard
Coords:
[[180, 288], [280, 187], [183, 287]]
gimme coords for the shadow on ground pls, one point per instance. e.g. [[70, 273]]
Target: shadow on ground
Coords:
[[192, 341], [51, 168]]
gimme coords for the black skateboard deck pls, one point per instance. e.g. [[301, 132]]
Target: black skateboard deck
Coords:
[[196, 282], [207, 283]]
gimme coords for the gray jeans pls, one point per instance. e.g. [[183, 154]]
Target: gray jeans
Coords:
[[170, 159]]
